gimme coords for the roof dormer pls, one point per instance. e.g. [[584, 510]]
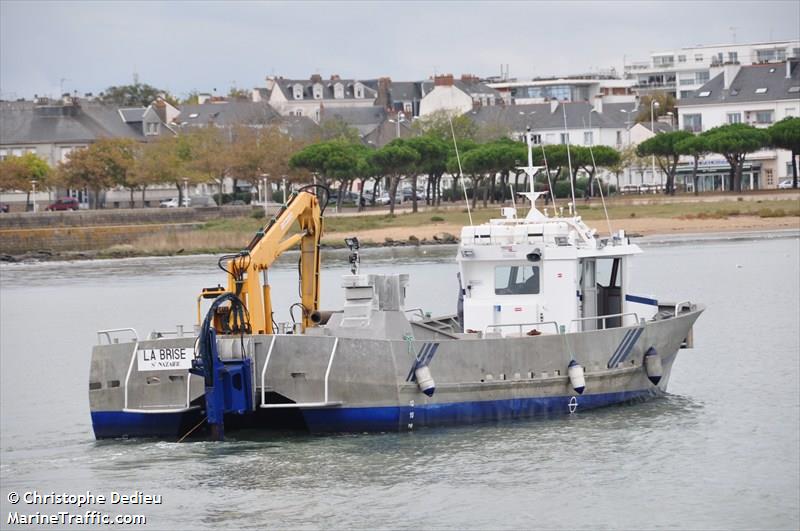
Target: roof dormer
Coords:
[[338, 91], [358, 90], [317, 90], [297, 90]]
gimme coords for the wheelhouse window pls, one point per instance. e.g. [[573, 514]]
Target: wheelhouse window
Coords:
[[516, 280]]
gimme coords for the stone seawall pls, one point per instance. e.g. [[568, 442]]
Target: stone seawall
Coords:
[[136, 216], [99, 229]]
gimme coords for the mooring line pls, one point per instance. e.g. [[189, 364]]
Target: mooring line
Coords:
[[192, 430]]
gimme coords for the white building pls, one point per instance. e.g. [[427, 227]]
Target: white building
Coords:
[[680, 72], [457, 96], [308, 97], [759, 95], [573, 88]]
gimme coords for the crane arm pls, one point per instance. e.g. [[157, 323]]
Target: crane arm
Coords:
[[266, 246]]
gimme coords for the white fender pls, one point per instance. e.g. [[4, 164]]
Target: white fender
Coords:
[[425, 380], [652, 365], [576, 378]]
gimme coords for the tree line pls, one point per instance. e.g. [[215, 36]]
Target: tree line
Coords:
[[340, 159]]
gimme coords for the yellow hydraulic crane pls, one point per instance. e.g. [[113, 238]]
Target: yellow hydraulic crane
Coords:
[[244, 267]]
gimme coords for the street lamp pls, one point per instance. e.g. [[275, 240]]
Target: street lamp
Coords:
[[654, 105], [33, 194], [401, 117]]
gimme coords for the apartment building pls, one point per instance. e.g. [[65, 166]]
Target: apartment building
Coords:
[[681, 72], [758, 95]]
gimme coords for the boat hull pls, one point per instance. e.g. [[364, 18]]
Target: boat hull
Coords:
[[323, 384]]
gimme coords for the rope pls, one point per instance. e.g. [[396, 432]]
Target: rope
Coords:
[[192, 430]]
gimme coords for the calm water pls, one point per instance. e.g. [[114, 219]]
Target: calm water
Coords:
[[720, 452]]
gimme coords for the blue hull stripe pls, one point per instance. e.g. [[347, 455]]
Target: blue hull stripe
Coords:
[[121, 424], [424, 358], [641, 300], [394, 418], [625, 347], [620, 347], [111, 424]]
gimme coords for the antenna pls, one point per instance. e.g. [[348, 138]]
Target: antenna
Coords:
[[599, 183], [569, 161], [460, 173], [549, 181]]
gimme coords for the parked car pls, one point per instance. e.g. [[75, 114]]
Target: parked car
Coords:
[[173, 202], [785, 184], [4, 208], [383, 199], [64, 203], [408, 195]]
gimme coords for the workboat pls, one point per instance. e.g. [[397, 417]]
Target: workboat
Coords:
[[546, 324]]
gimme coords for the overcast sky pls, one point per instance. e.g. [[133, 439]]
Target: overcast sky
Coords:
[[184, 46]]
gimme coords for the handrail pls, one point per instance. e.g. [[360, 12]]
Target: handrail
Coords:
[[125, 407], [604, 317], [128, 374], [264, 369], [420, 310], [110, 331], [681, 305], [324, 403], [520, 325]]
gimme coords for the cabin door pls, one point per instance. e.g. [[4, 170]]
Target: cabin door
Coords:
[[589, 293]]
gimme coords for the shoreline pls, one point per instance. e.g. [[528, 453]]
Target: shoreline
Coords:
[[446, 234]]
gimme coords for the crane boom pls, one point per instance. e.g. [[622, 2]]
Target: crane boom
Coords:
[[266, 246]]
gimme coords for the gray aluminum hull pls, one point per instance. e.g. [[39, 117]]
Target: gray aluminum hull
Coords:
[[370, 382]]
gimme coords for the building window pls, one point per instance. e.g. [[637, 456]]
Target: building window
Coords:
[[588, 138], [516, 280], [151, 128], [564, 138], [698, 58], [687, 80], [317, 90], [693, 122], [298, 92], [734, 117], [663, 60], [763, 56], [619, 138], [536, 139], [764, 117], [681, 58], [338, 91], [702, 77], [298, 112], [359, 90], [686, 94], [733, 57], [769, 176]]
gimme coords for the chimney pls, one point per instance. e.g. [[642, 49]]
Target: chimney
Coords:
[[335, 77], [316, 78], [270, 83], [469, 78], [598, 103], [445, 80], [384, 85], [553, 105]]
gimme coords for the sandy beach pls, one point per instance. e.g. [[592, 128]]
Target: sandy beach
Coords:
[[642, 226]]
